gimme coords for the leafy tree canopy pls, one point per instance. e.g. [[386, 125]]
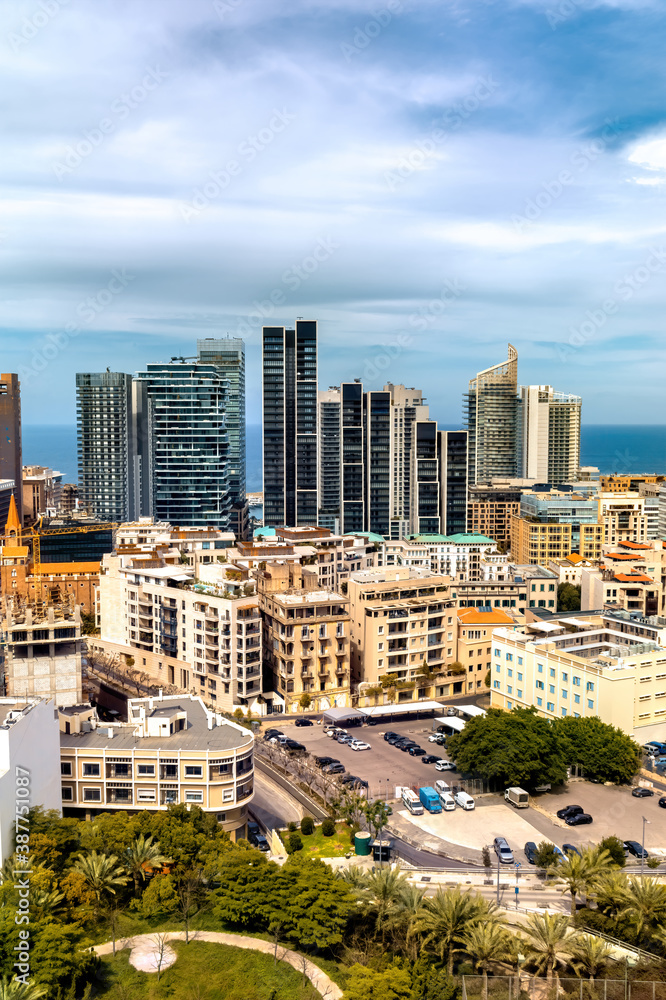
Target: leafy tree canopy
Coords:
[[568, 597], [603, 751]]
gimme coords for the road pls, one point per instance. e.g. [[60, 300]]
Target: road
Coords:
[[272, 806]]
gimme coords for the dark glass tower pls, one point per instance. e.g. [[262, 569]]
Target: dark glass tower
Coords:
[[290, 449], [453, 465]]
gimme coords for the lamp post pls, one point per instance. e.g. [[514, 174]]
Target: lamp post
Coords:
[[498, 870], [517, 863], [643, 847]]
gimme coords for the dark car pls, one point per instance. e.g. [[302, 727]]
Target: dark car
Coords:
[[430, 758], [336, 768], [394, 740], [642, 793], [578, 819], [633, 847], [530, 851], [293, 745], [253, 830], [261, 843], [571, 849], [353, 781], [416, 751], [405, 747], [304, 722], [662, 802], [569, 811], [389, 734], [271, 733], [323, 761]]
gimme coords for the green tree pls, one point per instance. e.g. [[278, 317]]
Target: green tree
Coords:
[[568, 597], [580, 871], [307, 826], [445, 917], [142, 857], [60, 956], [315, 904], [590, 955], [383, 897], [645, 905], [611, 893], [159, 899], [393, 983], [89, 624], [12, 989], [305, 700], [294, 843], [430, 982], [547, 946], [603, 751], [376, 814], [486, 944], [102, 873], [191, 893], [511, 748], [246, 882], [615, 848]]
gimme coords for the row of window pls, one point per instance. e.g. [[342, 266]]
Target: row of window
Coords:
[[142, 770]]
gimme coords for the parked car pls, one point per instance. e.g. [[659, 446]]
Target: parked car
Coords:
[[335, 732], [445, 765], [405, 747], [416, 751], [642, 793], [389, 734], [359, 745], [345, 738], [429, 758], [503, 851], [530, 851], [271, 733], [323, 761], [261, 843], [279, 740], [569, 811], [293, 745], [437, 738], [662, 802], [353, 781], [336, 768], [633, 847], [253, 830], [571, 849], [304, 722], [578, 819]]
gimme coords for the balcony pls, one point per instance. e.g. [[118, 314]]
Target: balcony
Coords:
[[119, 771], [168, 796], [119, 795]]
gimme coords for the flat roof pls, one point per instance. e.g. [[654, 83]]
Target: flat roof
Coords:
[[340, 714], [472, 710], [452, 721], [403, 708]]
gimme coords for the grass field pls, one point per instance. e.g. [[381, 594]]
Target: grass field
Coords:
[[316, 845], [206, 972]]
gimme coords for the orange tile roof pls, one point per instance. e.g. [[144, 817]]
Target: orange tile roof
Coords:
[[623, 555], [635, 545], [574, 558], [634, 578], [473, 616]]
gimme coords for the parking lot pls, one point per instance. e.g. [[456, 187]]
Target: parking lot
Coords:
[[385, 768]]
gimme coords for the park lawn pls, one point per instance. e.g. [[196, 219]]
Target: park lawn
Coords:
[[316, 845], [206, 971]]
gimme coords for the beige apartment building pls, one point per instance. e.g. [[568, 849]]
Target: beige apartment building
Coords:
[[474, 642], [625, 484], [305, 638], [541, 542], [490, 509], [630, 576], [172, 750], [582, 666], [624, 518], [403, 626]]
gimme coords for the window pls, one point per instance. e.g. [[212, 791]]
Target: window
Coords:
[[550, 706], [193, 770], [92, 795], [498, 669], [145, 770], [519, 693], [497, 652], [66, 794], [65, 768], [564, 711], [589, 686], [227, 795], [91, 770], [145, 795], [539, 702], [509, 656], [539, 668], [508, 705], [509, 689], [194, 796], [565, 676], [551, 689], [496, 684], [509, 672], [539, 685], [590, 703], [551, 672], [565, 693], [575, 681], [576, 699], [520, 661], [520, 676]]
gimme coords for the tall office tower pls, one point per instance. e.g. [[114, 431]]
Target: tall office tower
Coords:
[[328, 415], [426, 493], [550, 434], [290, 424], [113, 432], [378, 462], [453, 473], [190, 443], [491, 417], [228, 353], [407, 407], [11, 463]]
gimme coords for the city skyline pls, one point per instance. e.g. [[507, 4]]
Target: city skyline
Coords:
[[393, 171]]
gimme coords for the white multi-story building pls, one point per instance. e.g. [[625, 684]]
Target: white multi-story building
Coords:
[[29, 751], [460, 557]]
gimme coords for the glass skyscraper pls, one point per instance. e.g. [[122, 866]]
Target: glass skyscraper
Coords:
[[492, 421]]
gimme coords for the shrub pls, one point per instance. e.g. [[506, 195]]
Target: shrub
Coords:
[[615, 848], [291, 826], [307, 826], [328, 827], [294, 843]]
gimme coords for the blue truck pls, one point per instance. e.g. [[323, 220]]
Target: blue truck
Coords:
[[430, 800]]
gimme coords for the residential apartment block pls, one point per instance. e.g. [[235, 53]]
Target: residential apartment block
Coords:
[[630, 576], [491, 408], [623, 516], [171, 750], [489, 511], [550, 434], [583, 666], [474, 642], [540, 542], [461, 557], [43, 650]]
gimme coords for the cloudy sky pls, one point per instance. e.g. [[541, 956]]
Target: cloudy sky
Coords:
[[428, 178]]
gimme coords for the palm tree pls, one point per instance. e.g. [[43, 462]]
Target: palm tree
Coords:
[[645, 903], [410, 904], [546, 942], [444, 917], [486, 943], [579, 872], [590, 954], [610, 892], [102, 873], [141, 854], [383, 896], [356, 878], [11, 989]]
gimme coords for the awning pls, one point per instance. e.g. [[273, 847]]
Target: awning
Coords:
[[452, 722], [342, 714], [404, 708], [471, 710]]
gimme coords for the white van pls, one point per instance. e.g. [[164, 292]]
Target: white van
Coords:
[[441, 786], [412, 802], [448, 802], [464, 800]]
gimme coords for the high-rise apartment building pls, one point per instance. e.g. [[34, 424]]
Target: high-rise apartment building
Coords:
[[425, 504], [290, 424], [550, 434], [114, 445], [453, 477], [328, 415], [190, 442], [492, 420], [10, 436], [228, 353]]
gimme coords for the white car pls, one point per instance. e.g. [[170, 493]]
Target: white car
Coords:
[[436, 738], [336, 732], [445, 765], [359, 745]]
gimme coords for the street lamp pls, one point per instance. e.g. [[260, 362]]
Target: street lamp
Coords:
[[643, 846], [498, 870], [517, 863]]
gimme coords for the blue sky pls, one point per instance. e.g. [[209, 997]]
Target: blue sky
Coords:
[[428, 179]]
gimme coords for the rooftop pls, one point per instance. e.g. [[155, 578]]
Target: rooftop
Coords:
[[479, 616]]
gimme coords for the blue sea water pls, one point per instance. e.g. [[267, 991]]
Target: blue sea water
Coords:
[[611, 447]]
